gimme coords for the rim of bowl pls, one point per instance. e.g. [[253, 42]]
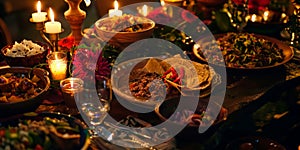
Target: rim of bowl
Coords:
[[117, 32]]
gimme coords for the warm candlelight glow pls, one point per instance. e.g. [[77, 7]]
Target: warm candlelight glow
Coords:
[[253, 18], [144, 10], [57, 62], [38, 6], [39, 16], [87, 3], [69, 88], [162, 2], [52, 26], [116, 5], [115, 11], [266, 15], [51, 15], [58, 69]]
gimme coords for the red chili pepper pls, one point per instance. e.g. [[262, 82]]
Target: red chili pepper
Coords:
[[177, 79], [168, 71]]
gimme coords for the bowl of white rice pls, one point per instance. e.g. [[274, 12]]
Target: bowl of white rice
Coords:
[[25, 53]]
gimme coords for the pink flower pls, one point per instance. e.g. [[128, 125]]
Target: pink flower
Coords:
[[88, 63]]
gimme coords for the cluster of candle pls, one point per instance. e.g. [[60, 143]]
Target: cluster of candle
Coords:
[[50, 26], [265, 17]]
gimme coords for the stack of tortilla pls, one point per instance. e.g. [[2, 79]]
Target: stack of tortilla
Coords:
[[197, 76]]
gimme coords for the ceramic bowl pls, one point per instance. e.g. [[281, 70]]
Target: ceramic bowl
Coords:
[[26, 61], [28, 104], [123, 39]]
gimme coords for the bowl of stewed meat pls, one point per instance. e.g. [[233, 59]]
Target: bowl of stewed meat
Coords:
[[22, 89]]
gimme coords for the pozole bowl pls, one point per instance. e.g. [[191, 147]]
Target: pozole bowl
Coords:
[[17, 55], [22, 89]]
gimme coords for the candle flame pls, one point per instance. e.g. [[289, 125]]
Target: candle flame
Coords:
[[144, 10], [39, 6], [72, 84], [116, 5], [51, 14], [266, 15], [87, 2], [162, 3], [253, 18]]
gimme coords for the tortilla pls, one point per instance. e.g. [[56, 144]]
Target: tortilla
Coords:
[[201, 80]]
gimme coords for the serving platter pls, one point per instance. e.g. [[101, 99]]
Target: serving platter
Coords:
[[120, 85], [287, 52]]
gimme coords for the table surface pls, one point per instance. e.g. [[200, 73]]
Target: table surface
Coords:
[[246, 93]]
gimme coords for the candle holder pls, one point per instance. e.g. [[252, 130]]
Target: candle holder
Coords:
[[75, 16], [70, 87], [53, 37], [58, 63]]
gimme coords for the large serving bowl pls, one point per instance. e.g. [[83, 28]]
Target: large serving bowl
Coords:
[[25, 61], [31, 103], [123, 38], [45, 131], [266, 53]]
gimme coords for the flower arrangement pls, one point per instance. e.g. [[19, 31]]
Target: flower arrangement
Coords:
[[86, 59]]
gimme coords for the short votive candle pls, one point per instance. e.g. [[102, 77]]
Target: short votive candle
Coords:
[[69, 88], [57, 62]]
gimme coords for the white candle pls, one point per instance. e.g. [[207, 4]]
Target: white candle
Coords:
[[115, 11], [39, 16], [144, 10], [52, 26]]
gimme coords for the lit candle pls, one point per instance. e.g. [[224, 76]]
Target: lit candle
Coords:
[[70, 87], [144, 10], [266, 15], [52, 26], [39, 16], [162, 3], [57, 62], [115, 11], [253, 18]]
